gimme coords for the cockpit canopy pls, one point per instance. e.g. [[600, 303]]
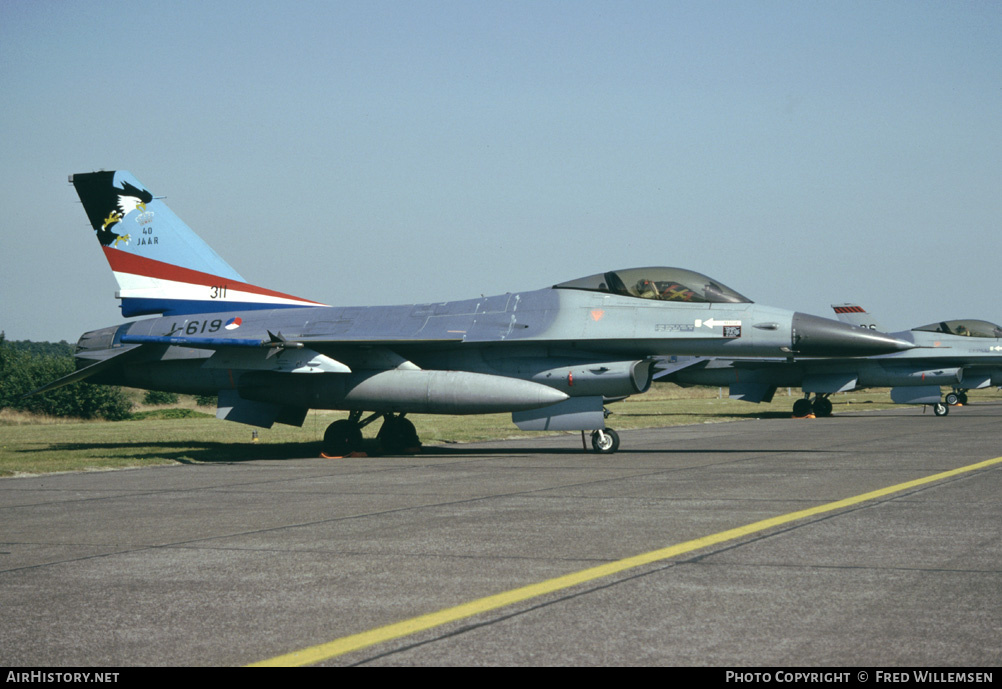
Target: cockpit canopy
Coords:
[[658, 283], [968, 328]]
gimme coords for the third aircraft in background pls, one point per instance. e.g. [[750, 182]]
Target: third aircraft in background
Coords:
[[961, 354]]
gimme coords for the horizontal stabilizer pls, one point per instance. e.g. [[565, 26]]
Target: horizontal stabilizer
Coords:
[[86, 372]]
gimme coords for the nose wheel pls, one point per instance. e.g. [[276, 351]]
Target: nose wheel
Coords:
[[605, 441]]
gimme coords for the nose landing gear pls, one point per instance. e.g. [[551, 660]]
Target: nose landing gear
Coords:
[[605, 441]]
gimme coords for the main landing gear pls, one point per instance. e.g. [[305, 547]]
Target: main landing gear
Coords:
[[820, 406], [397, 435]]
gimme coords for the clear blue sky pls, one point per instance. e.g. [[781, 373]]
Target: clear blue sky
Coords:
[[358, 153]]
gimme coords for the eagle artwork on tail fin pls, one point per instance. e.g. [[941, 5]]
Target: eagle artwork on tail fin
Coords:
[[112, 204], [128, 200]]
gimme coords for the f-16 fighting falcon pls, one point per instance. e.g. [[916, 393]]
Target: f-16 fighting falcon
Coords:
[[961, 354], [552, 357]]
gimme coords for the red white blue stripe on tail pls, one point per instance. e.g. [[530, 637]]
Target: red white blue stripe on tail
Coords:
[[161, 265]]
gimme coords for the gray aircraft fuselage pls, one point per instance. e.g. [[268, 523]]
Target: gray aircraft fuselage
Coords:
[[572, 341]]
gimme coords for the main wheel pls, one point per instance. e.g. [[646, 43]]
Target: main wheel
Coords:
[[963, 397], [822, 406], [397, 435], [952, 398], [801, 408], [606, 441], [342, 438], [940, 409]]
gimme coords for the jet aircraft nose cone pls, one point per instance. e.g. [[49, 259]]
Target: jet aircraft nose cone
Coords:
[[816, 336]]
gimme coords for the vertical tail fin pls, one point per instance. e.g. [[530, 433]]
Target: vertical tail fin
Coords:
[[854, 314], [161, 265]]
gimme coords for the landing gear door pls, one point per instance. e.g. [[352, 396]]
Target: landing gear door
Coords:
[[574, 414]]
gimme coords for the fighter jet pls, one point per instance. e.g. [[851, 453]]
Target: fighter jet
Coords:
[[961, 354], [552, 357]]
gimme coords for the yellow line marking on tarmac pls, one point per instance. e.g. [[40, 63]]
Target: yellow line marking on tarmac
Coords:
[[354, 642]]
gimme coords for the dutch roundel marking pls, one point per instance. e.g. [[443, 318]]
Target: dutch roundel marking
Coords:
[[233, 323]]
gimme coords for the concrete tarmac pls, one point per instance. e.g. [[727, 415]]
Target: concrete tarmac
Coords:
[[236, 563]]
